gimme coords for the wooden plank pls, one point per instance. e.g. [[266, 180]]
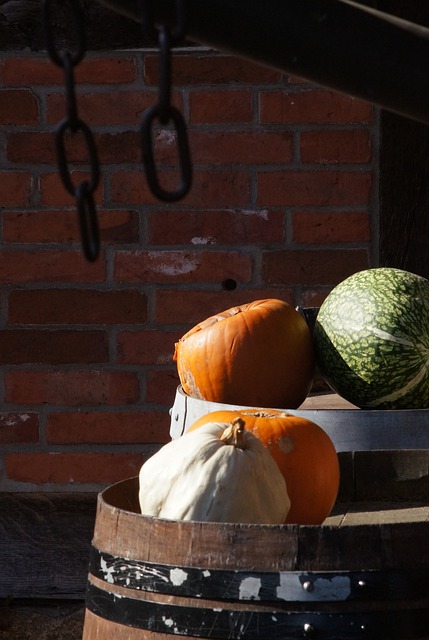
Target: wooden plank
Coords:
[[326, 401], [44, 544], [391, 475], [384, 476], [404, 173], [377, 513]]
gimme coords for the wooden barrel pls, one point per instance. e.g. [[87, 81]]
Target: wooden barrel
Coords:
[[350, 428], [362, 574]]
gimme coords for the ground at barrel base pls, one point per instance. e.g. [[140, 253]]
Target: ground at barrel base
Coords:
[[43, 621]]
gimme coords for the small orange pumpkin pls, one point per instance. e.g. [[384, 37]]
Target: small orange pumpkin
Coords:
[[256, 354], [304, 453]]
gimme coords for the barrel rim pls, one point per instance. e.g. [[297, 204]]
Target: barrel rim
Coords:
[[105, 504], [350, 429], [346, 410]]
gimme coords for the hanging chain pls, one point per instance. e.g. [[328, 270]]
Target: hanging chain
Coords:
[[164, 111], [82, 192]]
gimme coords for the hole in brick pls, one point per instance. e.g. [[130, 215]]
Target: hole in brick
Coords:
[[229, 284]]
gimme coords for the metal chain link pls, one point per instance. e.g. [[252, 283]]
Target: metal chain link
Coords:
[[164, 111], [83, 191]]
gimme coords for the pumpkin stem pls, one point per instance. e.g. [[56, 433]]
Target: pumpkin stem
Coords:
[[234, 434], [268, 414]]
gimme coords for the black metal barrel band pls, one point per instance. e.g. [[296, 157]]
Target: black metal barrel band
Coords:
[[275, 586], [228, 624]]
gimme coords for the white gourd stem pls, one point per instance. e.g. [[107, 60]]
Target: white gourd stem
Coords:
[[234, 434]]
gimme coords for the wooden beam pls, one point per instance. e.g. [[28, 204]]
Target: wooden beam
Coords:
[[21, 26], [316, 41]]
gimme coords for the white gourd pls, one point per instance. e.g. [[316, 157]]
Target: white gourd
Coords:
[[217, 473]]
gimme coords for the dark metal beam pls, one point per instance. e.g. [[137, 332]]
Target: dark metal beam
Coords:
[[339, 44]]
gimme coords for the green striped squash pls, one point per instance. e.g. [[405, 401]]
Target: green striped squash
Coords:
[[371, 339]]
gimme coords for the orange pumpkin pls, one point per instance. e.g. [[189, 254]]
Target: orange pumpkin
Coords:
[[304, 453], [256, 354]]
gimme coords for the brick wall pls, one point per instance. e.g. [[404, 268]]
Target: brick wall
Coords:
[[283, 203]]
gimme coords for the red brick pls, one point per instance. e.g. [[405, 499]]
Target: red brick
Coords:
[[220, 147], [119, 226], [31, 147], [147, 347], [15, 188], [50, 266], [241, 147], [330, 226], [28, 72], [215, 188], [19, 427], [117, 148], [32, 71], [312, 267], [124, 427], [313, 188], [193, 69], [126, 148], [217, 147], [107, 107], [182, 266], [335, 146], [315, 106], [161, 387], [77, 306], [175, 306], [18, 106], [54, 194], [107, 70], [20, 346], [314, 297], [116, 227], [102, 108], [69, 468], [222, 106], [205, 227], [71, 388], [38, 147]]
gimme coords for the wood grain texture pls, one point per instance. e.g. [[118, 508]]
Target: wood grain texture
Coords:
[[44, 544], [362, 574], [244, 546], [45, 539]]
